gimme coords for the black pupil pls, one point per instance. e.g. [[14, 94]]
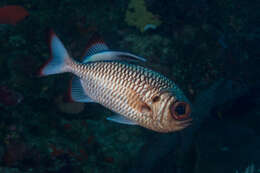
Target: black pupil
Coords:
[[180, 109]]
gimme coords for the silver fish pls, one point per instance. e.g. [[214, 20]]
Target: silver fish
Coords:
[[138, 95]]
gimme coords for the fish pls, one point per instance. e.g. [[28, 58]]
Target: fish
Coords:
[[136, 94], [12, 14]]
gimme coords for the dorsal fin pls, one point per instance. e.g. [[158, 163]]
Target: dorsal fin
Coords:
[[97, 50], [112, 56], [95, 45]]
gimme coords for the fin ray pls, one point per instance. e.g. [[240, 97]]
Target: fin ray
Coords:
[[121, 119], [97, 50], [77, 92], [112, 56], [96, 44], [59, 57]]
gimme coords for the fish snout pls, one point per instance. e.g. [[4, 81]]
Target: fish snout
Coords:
[[180, 110]]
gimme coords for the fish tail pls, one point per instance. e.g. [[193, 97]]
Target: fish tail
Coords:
[[60, 61]]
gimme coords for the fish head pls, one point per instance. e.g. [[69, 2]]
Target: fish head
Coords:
[[169, 113]]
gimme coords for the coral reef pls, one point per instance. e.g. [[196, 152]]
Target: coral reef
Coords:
[[9, 97], [12, 14], [195, 43]]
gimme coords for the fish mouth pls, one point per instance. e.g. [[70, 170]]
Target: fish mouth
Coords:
[[180, 110]]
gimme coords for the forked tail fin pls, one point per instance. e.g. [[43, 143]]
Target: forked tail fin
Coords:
[[58, 63]]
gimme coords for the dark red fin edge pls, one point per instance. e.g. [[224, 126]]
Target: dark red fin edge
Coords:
[[69, 96], [51, 34]]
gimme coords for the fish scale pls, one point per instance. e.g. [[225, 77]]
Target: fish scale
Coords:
[[141, 96], [120, 87]]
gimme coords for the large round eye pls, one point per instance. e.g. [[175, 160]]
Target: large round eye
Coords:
[[180, 110]]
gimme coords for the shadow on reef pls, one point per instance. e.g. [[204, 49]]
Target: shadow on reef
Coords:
[[223, 137]]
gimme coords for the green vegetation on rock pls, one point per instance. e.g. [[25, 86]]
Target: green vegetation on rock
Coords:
[[137, 15]]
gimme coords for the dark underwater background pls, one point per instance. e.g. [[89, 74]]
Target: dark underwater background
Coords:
[[210, 48]]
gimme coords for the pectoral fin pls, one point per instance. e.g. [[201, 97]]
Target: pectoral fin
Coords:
[[77, 92], [121, 119]]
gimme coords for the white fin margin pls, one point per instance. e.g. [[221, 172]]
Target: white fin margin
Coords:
[[113, 55]]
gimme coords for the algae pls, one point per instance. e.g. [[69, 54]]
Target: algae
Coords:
[[137, 15]]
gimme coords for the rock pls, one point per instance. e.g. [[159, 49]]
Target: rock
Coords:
[[230, 147], [9, 170], [69, 107]]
